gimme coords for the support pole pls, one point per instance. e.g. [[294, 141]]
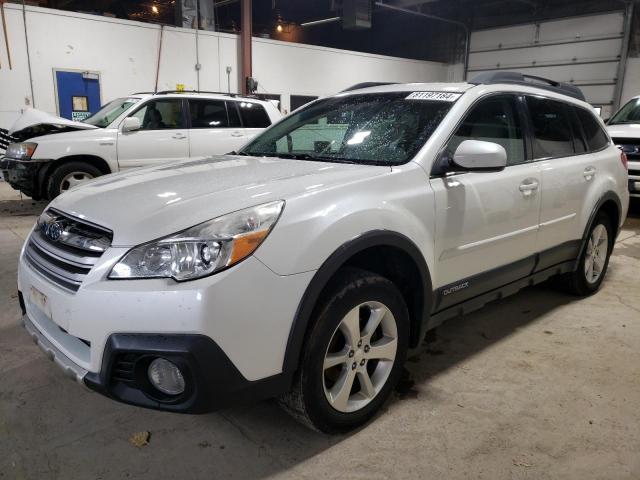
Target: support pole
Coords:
[[245, 44]]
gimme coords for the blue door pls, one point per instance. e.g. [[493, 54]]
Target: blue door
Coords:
[[78, 94]]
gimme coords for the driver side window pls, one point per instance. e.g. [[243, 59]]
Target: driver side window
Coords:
[[495, 120]]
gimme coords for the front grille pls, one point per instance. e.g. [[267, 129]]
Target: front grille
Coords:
[[630, 146], [64, 249]]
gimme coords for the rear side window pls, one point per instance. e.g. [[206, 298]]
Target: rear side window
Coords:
[[208, 113], [551, 128], [493, 120], [254, 115], [595, 136]]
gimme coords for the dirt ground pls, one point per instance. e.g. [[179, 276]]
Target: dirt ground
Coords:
[[538, 386]]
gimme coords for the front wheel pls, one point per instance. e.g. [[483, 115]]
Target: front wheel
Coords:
[[68, 175], [354, 353]]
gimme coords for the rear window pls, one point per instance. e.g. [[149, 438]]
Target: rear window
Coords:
[[208, 113], [595, 136], [551, 128], [254, 115]]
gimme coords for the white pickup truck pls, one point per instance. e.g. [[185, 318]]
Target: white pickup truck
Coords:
[[54, 154]]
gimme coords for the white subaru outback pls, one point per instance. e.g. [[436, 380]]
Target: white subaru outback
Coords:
[[311, 263]]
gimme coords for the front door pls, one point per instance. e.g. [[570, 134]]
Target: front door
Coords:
[[78, 94], [486, 222], [163, 136]]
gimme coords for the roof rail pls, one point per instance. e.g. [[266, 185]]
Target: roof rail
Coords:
[[165, 92], [518, 78], [358, 86]]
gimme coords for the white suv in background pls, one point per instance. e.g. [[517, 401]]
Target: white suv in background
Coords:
[[55, 154], [624, 128], [311, 263]]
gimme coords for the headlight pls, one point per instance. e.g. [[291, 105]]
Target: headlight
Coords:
[[201, 250], [21, 151]]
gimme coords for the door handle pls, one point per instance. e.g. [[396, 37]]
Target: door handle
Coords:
[[237, 134], [528, 186], [589, 173], [179, 136]]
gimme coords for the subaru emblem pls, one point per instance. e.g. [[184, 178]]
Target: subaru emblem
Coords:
[[54, 231]]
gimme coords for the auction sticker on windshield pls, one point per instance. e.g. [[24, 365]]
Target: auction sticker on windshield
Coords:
[[440, 96]]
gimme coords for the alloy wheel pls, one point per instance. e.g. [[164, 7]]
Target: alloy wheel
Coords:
[[360, 356], [73, 179], [596, 255]]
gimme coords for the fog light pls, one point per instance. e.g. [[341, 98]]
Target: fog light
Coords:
[[166, 377]]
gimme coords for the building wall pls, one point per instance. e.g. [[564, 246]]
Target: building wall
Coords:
[[125, 54]]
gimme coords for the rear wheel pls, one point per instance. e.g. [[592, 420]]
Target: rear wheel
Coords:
[[593, 263], [68, 175], [354, 354]]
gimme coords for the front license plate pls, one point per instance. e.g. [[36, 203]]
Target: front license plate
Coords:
[[41, 301]]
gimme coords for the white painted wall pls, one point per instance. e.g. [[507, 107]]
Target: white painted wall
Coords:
[[125, 55]]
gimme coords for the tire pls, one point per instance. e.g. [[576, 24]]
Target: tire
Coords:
[[315, 398], [584, 281], [67, 175]]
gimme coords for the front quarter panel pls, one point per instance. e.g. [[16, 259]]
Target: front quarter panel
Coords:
[[99, 142], [317, 223]]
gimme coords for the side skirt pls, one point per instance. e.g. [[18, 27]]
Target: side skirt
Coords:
[[480, 301], [472, 293]]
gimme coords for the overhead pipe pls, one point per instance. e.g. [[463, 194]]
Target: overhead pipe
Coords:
[[155, 89], [245, 44], [440, 19], [26, 40], [6, 34]]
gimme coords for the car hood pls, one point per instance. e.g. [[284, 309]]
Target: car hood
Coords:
[[629, 130], [34, 123], [148, 203]]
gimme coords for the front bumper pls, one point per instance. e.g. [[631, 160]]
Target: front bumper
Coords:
[[634, 178], [228, 331], [23, 175]]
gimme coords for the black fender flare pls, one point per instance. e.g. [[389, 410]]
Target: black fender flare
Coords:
[[607, 196], [373, 238]]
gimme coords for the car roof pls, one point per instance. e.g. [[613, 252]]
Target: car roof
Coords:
[[463, 87]]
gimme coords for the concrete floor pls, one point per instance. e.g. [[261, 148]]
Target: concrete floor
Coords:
[[538, 386]]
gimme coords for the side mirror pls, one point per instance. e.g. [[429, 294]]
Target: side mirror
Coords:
[[476, 155], [131, 124]]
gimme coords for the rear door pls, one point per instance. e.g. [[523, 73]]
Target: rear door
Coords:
[[569, 164], [254, 117], [215, 127], [486, 222], [163, 136]]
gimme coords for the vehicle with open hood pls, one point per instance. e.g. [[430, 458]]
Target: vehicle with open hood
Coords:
[[52, 154]]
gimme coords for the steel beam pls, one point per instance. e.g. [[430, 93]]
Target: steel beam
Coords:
[[245, 44]]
